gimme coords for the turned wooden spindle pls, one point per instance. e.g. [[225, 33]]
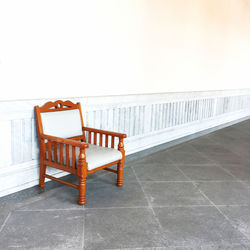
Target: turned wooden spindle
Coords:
[[120, 164], [82, 174]]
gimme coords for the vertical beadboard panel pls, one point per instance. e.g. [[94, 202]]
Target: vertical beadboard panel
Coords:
[[5, 143], [27, 140], [34, 142], [147, 119], [16, 141]]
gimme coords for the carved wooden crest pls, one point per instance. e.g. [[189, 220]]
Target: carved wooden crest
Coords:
[[58, 106]]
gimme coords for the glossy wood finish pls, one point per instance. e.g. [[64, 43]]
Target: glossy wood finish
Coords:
[[55, 151]]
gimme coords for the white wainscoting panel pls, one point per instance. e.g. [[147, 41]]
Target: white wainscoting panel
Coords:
[[148, 120]]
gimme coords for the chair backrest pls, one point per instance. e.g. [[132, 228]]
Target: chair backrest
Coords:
[[60, 119]]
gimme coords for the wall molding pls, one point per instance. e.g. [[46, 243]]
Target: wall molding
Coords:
[[149, 120]]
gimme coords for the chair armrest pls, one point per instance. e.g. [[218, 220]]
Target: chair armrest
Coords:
[[105, 132], [65, 141]]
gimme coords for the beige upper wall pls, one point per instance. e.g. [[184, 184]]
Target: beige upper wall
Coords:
[[62, 48]]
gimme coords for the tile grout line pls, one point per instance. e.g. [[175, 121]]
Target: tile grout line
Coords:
[[195, 180], [149, 203], [136, 207], [187, 181], [50, 210], [172, 247], [5, 221], [94, 208], [214, 205]]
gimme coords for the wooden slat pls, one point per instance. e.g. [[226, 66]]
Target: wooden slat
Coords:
[[110, 170], [73, 157], [67, 155], [113, 142], [61, 181], [106, 141], [61, 154], [43, 148], [49, 150], [89, 137], [78, 138], [61, 167], [95, 137], [100, 141], [55, 152]]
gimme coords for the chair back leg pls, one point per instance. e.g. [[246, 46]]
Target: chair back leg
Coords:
[[42, 175], [120, 174]]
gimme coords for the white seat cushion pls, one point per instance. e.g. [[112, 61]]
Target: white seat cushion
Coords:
[[98, 156]]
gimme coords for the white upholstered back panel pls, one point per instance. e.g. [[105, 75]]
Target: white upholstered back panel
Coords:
[[63, 124]]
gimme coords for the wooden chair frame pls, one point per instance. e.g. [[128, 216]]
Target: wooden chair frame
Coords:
[[49, 157]]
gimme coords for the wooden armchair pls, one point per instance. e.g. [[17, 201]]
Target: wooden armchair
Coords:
[[67, 145]]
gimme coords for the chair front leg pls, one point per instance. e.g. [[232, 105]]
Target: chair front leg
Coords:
[[120, 164], [120, 174], [82, 190], [82, 174]]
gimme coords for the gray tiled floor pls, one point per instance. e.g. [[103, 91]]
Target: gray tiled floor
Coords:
[[193, 196]]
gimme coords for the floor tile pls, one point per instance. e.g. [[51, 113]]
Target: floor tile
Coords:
[[102, 194], [188, 159], [182, 148], [43, 230], [103, 186], [206, 173], [64, 198], [221, 138], [226, 193], [246, 183], [173, 194], [121, 228], [186, 248], [212, 148], [98, 174], [158, 172], [239, 216], [128, 176], [203, 140], [228, 158], [240, 171], [160, 157], [241, 149], [243, 126], [196, 226], [234, 131], [241, 246]]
